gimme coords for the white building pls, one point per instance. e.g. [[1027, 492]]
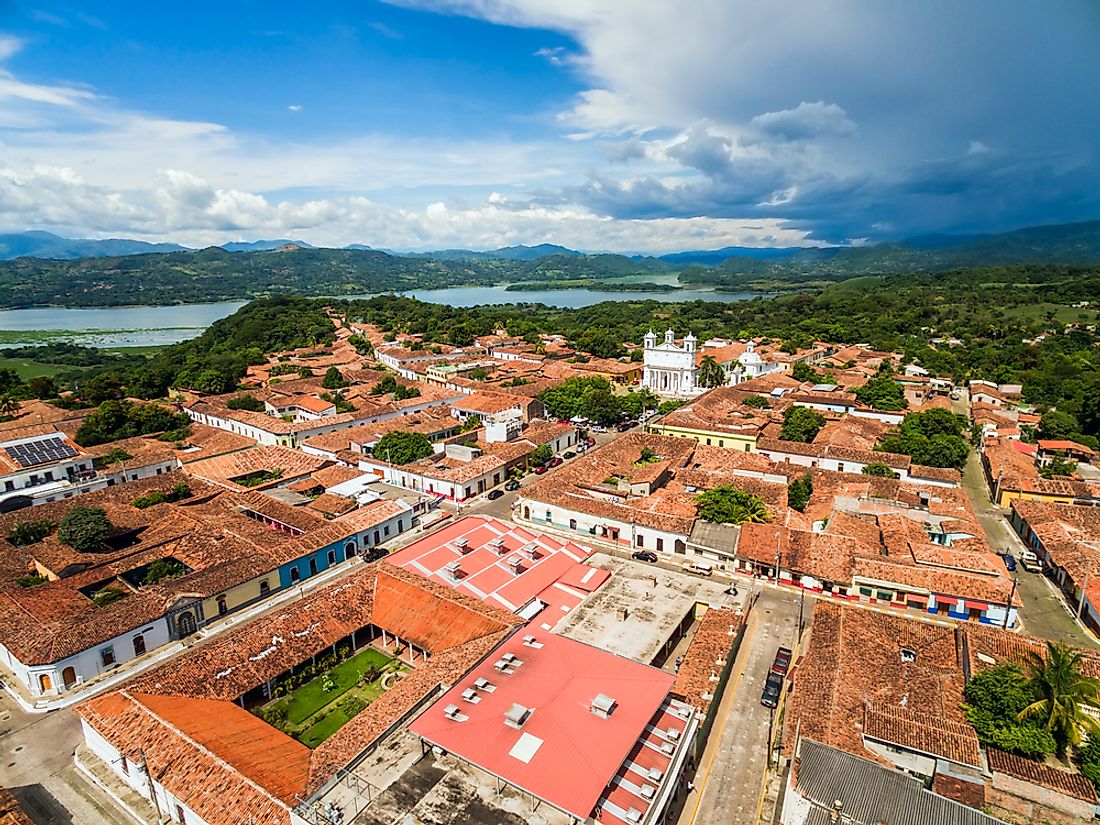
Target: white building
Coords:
[[670, 368]]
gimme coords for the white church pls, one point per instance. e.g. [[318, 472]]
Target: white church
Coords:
[[673, 369]]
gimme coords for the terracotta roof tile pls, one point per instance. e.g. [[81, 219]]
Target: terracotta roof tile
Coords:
[[1029, 770]]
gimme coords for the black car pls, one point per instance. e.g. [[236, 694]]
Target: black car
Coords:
[[377, 553], [511, 485], [769, 698], [495, 494], [569, 454], [645, 555]]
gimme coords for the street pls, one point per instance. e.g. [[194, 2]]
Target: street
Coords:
[[729, 782], [1043, 612]]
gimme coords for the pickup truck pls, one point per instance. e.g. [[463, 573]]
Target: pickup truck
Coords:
[[1030, 562]]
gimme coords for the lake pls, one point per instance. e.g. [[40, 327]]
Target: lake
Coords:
[[145, 326]]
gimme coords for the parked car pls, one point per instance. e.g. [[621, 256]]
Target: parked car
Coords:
[[769, 697], [782, 662], [645, 555], [730, 591], [377, 553], [590, 441], [582, 448], [626, 425], [569, 454], [495, 494], [702, 568], [1030, 562], [511, 485], [1009, 560], [540, 469], [556, 461]]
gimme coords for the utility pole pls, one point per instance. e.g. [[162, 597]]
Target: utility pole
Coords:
[[778, 551], [1011, 596], [1081, 601]]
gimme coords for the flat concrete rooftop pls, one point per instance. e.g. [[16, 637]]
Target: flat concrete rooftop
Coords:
[[655, 600]]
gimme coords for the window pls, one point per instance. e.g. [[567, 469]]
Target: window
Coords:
[[124, 764], [9, 486], [295, 574], [748, 448], [49, 475], [107, 655], [385, 530], [223, 608], [840, 467], [179, 814], [639, 541], [265, 588], [660, 545], [313, 566], [865, 591], [376, 537], [332, 557], [139, 645], [350, 549], [548, 516], [572, 524], [400, 525]]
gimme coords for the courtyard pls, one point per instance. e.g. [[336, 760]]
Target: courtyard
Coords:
[[319, 700]]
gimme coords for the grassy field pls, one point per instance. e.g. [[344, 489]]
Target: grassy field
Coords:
[[31, 369], [313, 714], [1062, 314]]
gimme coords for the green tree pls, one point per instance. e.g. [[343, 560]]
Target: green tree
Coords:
[[933, 438], [882, 392], [113, 420], [994, 699], [333, 379], [729, 505], [361, 345], [540, 455], [42, 386], [1059, 466], [30, 532], [878, 470], [106, 386], [386, 384], [1055, 425], [799, 491], [246, 402], [804, 372], [592, 398], [162, 569], [402, 447], [84, 528], [757, 402], [1062, 693], [479, 374], [9, 405], [801, 424], [711, 373]]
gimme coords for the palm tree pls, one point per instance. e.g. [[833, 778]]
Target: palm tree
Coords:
[[8, 405], [1062, 694], [710, 373]]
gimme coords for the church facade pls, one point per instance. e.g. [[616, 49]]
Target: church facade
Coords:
[[669, 368]]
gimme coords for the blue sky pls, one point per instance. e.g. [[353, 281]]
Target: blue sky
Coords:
[[629, 126]]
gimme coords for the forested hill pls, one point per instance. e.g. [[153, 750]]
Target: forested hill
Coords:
[[1074, 243], [214, 274]]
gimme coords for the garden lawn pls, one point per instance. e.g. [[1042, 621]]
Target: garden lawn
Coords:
[[336, 718], [310, 698]]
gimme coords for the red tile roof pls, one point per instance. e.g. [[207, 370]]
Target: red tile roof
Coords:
[[1029, 770]]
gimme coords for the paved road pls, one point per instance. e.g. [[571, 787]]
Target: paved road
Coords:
[[1043, 612], [730, 778], [37, 752]]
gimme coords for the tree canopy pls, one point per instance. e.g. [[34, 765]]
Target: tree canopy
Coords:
[[729, 505], [402, 447], [933, 438], [84, 528], [801, 424]]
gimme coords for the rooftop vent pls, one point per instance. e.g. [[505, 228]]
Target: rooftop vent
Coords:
[[517, 715], [463, 546], [648, 791], [452, 569], [633, 815], [516, 563], [470, 695], [531, 641], [655, 774], [672, 733], [531, 550], [603, 705], [908, 654], [484, 684], [454, 713], [667, 748], [498, 545]]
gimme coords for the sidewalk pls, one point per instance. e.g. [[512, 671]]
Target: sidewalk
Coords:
[[128, 800]]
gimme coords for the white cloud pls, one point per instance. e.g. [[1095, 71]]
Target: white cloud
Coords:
[[294, 107], [10, 45]]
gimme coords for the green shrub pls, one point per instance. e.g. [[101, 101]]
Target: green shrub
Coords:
[[31, 580], [30, 532], [84, 529], [246, 402]]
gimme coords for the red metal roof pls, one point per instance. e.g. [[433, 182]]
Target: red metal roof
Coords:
[[563, 752], [509, 576]]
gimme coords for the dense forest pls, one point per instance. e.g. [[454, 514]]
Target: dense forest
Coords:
[[1015, 324], [216, 274]]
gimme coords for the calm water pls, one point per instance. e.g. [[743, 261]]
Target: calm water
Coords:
[[151, 326]]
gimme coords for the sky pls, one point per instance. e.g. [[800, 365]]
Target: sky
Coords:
[[622, 125]]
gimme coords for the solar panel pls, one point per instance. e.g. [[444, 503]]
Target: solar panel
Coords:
[[43, 451]]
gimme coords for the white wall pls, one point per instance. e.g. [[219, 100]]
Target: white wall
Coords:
[[628, 534], [88, 663]]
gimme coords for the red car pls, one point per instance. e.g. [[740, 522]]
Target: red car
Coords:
[[555, 462], [590, 441], [539, 470]]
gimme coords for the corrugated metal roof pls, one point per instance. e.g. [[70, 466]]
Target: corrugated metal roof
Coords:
[[872, 794]]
